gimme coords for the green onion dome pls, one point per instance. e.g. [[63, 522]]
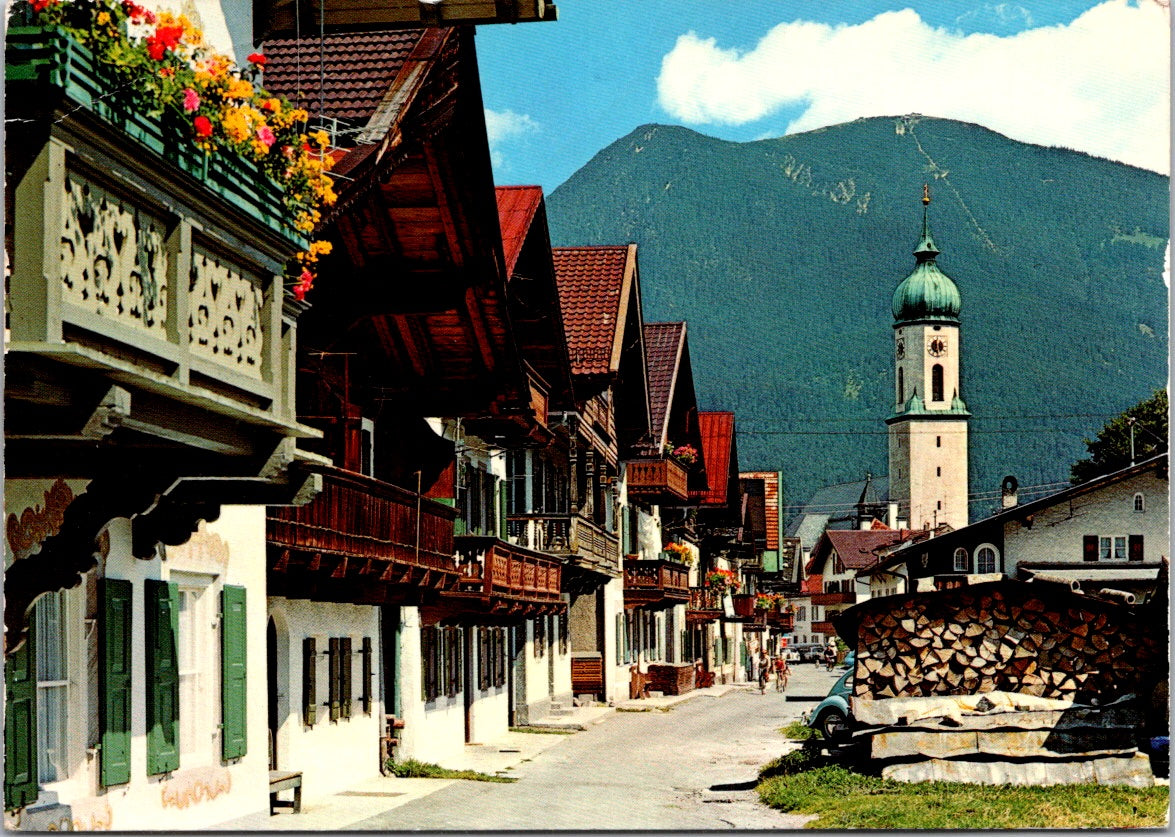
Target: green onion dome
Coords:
[[927, 293]]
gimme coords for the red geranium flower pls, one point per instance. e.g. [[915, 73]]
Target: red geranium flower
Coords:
[[203, 126], [257, 58], [40, 5]]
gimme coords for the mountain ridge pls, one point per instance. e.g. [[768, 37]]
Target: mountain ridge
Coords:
[[817, 229]]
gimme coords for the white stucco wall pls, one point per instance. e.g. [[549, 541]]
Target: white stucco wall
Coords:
[[332, 756], [1056, 533], [616, 672], [433, 731], [204, 790]]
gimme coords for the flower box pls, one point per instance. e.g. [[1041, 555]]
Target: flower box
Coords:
[[744, 605], [42, 64]]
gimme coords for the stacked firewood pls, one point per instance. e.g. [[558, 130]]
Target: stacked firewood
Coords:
[[1025, 638]]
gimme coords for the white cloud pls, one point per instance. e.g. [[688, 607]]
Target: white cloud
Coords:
[[504, 125], [1098, 84]]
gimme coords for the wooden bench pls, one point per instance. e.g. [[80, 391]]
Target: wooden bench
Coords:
[[280, 780]]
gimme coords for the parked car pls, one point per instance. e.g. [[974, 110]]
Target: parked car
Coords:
[[832, 715], [792, 656], [810, 653]]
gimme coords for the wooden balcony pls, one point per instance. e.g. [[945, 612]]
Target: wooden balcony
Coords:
[[147, 304], [834, 597], [824, 627], [661, 481], [279, 18], [504, 579], [361, 540], [655, 584], [786, 622], [705, 605], [581, 542]]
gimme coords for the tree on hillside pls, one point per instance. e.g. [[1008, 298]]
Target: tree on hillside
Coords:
[[1110, 451]]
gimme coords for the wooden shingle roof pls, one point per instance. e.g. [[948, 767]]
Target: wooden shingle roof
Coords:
[[593, 293]]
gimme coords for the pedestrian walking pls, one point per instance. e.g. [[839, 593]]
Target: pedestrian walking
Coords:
[[830, 656], [764, 667]]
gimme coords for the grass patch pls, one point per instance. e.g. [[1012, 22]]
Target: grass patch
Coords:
[[797, 731], [543, 731], [843, 799], [413, 769]]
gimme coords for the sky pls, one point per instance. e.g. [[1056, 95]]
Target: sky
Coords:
[[1074, 73]]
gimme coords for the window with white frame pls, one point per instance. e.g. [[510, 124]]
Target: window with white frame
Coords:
[[1112, 548], [961, 560], [198, 656], [986, 559], [52, 687], [1139, 502]]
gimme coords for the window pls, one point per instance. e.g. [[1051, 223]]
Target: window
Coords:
[[936, 382], [1139, 502], [938, 441], [901, 386], [986, 558], [367, 447], [52, 687], [1112, 548], [961, 563], [938, 471], [540, 636], [477, 500], [197, 642]]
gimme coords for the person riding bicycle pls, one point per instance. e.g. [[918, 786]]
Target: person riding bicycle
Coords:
[[830, 656], [781, 673]]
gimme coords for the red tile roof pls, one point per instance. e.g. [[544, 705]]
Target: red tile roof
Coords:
[[591, 289], [717, 429], [663, 350], [857, 548], [349, 74], [517, 206]]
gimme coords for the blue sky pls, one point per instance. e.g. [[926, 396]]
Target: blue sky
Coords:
[[1076, 73]]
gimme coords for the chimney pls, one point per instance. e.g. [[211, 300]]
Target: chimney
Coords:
[[1008, 491]]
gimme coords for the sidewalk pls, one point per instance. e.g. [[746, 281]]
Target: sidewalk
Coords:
[[381, 794]]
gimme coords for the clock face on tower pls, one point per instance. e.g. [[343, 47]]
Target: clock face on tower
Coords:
[[901, 348], [937, 347]]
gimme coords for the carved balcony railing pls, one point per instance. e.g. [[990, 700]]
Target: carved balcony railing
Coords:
[[582, 542], [138, 257], [661, 481], [786, 622], [361, 538], [655, 583], [506, 579], [705, 605]]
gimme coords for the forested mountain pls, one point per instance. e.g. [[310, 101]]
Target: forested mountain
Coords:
[[783, 255]]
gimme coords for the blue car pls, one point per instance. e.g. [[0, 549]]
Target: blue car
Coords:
[[831, 715]]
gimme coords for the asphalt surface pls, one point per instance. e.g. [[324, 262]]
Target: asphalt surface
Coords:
[[690, 767]]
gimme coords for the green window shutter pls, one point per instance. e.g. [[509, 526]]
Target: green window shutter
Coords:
[[365, 686], [332, 677], [345, 668], [20, 725], [114, 679], [309, 681], [163, 710], [501, 509], [234, 700]]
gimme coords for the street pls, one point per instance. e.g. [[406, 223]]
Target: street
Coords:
[[691, 767]]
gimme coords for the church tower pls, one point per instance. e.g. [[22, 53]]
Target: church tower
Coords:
[[928, 430]]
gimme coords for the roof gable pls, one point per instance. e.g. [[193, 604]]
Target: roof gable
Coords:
[[857, 548], [664, 344], [594, 285], [517, 206], [717, 430]]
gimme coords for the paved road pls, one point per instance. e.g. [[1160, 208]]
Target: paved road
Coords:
[[692, 767]]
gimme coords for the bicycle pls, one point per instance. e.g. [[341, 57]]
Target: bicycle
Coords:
[[781, 677]]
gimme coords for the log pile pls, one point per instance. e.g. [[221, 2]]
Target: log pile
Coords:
[[1004, 682], [1004, 636]]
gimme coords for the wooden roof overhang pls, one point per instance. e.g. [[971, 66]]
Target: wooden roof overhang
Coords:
[[362, 541], [673, 400], [504, 580], [418, 282], [282, 18]]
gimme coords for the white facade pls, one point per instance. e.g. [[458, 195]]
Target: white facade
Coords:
[[204, 789], [1139, 506], [331, 754]]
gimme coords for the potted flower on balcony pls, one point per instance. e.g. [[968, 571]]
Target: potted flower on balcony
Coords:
[[766, 602], [721, 581], [679, 552], [685, 455]]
